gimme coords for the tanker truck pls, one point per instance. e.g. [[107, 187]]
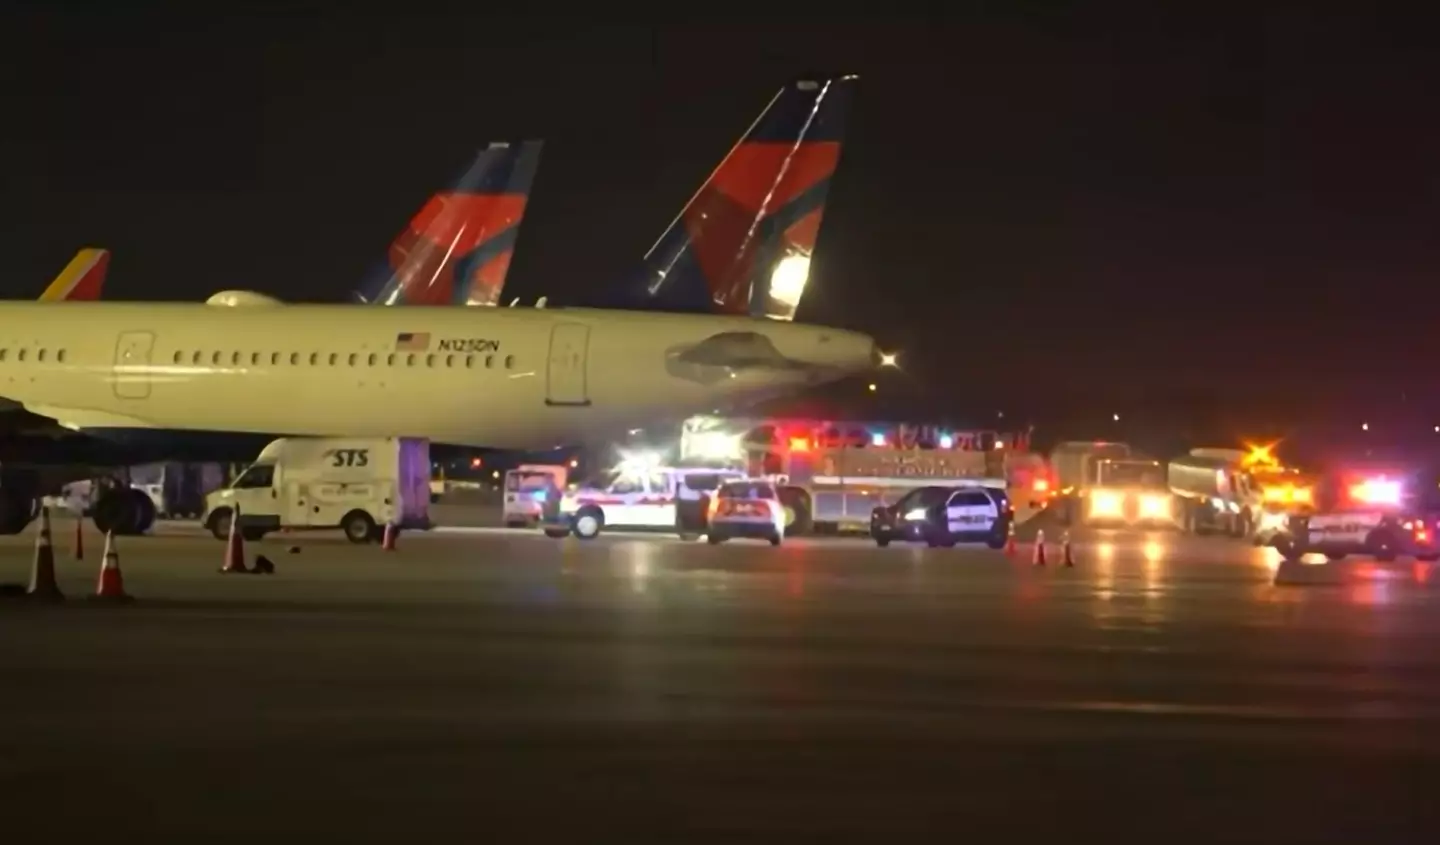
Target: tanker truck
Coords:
[[1214, 493]]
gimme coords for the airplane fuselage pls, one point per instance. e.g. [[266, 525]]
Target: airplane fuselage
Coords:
[[504, 378]]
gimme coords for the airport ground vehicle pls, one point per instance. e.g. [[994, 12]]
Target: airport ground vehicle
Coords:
[[356, 484], [944, 516], [639, 495], [1126, 492], [1382, 516], [749, 508], [1076, 467], [1216, 493], [831, 475], [528, 489]]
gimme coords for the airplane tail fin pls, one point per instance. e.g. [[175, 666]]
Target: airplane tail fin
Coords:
[[82, 279], [743, 243], [456, 250]]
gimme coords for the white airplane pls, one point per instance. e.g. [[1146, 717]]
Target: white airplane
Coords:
[[516, 378]]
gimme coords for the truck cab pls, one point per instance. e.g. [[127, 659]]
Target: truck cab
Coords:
[[356, 485]]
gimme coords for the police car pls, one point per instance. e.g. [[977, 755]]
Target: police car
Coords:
[[944, 516], [749, 508], [670, 500], [1375, 516]]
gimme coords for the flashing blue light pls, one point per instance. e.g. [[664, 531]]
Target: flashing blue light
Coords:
[[538, 495], [947, 442], [877, 439]]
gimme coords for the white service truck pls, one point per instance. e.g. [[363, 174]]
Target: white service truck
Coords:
[[358, 485]]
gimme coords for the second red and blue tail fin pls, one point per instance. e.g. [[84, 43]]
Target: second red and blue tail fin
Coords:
[[82, 279], [743, 243], [456, 250]]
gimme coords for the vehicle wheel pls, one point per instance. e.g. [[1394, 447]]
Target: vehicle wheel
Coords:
[[516, 523], [145, 512], [1381, 546], [219, 523], [776, 539], [1333, 556], [689, 538], [714, 539], [557, 533], [799, 516], [882, 542], [358, 527], [1288, 549], [252, 534], [997, 540], [588, 522], [117, 513]]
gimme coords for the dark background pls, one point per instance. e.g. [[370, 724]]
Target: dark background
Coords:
[[1207, 222]]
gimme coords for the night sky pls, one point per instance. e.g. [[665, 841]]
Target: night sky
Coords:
[[1052, 214]]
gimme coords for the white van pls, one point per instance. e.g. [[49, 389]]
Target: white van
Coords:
[[355, 484]]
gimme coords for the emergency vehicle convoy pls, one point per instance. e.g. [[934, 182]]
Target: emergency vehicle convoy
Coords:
[[831, 475], [641, 494]]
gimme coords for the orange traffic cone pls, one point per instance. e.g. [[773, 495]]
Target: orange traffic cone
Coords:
[[111, 586], [1065, 550], [1010, 547], [1039, 548], [235, 546], [79, 537], [43, 586], [387, 542]]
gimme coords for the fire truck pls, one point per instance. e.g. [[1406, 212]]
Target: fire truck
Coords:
[[832, 474]]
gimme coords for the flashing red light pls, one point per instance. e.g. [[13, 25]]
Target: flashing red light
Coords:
[[1376, 491], [799, 444], [1041, 485], [475, 463]]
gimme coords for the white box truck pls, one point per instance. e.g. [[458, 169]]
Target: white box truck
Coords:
[[355, 484]]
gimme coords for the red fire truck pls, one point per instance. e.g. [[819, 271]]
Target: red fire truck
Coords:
[[832, 474]]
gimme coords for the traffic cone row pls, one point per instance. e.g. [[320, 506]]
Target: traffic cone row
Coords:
[[1067, 552], [45, 587], [1010, 547]]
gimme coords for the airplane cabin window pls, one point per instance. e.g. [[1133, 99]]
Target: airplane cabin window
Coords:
[[3, 353], [489, 361], [353, 358], [41, 355], [215, 357], [390, 359], [235, 358], [60, 356], [334, 359], [20, 355], [469, 360], [254, 359], [314, 358], [294, 359], [430, 360], [410, 360], [374, 359], [274, 359], [178, 356], [195, 357], [509, 362], [449, 360]]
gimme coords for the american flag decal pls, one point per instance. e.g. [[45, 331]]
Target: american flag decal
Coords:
[[412, 341]]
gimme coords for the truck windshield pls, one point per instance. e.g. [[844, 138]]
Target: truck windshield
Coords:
[[1131, 473], [526, 480], [258, 475]]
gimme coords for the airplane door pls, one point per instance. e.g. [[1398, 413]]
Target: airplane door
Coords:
[[565, 382], [132, 365]]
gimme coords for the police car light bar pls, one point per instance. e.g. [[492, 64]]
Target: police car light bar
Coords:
[[1376, 491]]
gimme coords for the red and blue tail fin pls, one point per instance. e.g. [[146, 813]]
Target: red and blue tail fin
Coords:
[[456, 250], [82, 279], [743, 243]]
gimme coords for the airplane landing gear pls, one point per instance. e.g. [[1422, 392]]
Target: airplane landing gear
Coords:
[[123, 510], [19, 502]]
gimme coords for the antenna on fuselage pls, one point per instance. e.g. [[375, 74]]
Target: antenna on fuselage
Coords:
[[540, 303]]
